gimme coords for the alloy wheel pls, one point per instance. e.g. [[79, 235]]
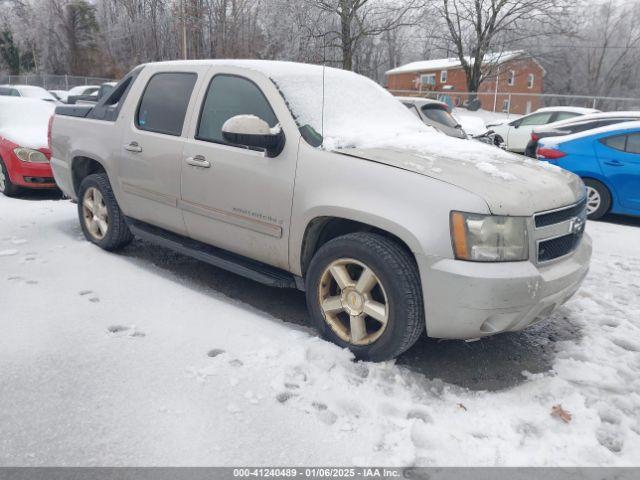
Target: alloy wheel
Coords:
[[3, 180], [593, 200], [94, 211], [353, 301]]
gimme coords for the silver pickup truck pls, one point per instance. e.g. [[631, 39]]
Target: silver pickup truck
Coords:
[[314, 178]]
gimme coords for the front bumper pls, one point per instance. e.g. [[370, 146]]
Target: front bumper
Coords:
[[466, 300], [31, 175]]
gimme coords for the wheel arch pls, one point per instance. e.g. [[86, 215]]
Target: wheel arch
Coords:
[[6, 147], [323, 228], [83, 166], [603, 181]]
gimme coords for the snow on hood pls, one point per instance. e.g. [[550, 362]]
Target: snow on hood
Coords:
[[25, 121], [516, 186], [361, 119]]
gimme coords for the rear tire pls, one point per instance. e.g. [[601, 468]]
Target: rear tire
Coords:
[[382, 282], [598, 199], [101, 219], [7, 187]]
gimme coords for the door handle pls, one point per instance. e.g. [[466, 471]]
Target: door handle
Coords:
[[614, 163], [198, 161], [133, 147]]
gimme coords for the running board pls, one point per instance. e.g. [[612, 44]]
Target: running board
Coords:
[[257, 271]]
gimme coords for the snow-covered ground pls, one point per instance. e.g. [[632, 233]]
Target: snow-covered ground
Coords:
[[107, 359]]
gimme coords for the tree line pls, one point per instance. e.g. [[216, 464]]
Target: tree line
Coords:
[[587, 47]]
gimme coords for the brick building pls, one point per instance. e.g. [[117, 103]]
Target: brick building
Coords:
[[512, 72]]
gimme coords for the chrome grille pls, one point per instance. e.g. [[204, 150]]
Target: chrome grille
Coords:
[[558, 232], [561, 215]]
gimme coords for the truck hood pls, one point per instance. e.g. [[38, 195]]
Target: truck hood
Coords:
[[510, 184]]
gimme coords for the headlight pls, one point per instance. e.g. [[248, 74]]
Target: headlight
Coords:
[[29, 155], [489, 238]]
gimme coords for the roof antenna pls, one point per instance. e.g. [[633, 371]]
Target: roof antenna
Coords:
[[322, 120], [324, 65]]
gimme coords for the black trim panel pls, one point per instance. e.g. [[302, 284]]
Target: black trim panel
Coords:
[[561, 215], [246, 267]]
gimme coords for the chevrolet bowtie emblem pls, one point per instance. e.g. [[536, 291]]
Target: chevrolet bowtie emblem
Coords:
[[576, 226]]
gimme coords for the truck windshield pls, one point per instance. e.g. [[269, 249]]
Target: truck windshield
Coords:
[[337, 110], [342, 109]]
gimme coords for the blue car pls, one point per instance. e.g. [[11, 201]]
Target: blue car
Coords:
[[607, 159]]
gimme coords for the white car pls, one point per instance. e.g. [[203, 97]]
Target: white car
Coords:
[[83, 90], [515, 135], [60, 95], [28, 91]]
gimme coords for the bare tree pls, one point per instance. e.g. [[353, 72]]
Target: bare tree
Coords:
[[476, 27], [359, 19]]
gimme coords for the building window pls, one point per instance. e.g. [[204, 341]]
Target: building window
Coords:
[[511, 80], [443, 76], [506, 105], [428, 79], [530, 80]]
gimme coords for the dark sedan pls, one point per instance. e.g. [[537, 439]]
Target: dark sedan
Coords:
[[577, 124]]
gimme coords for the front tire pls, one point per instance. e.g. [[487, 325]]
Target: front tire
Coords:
[[363, 292], [598, 199], [101, 219], [7, 187]]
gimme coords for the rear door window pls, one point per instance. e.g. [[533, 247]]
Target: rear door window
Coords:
[[565, 116], [633, 143], [541, 118], [228, 96], [582, 127], [10, 92], [164, 102], [616, 142]]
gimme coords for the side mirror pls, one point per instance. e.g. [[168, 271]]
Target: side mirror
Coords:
[[251, 131], [515, 124]]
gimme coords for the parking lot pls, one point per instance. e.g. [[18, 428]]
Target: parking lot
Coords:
[[150, 358]]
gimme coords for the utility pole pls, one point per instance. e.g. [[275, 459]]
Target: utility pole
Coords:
[[495, 93], [184, 30]]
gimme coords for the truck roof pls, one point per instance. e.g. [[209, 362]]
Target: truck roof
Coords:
[[267, 67]]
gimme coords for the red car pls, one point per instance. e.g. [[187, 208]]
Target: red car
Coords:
[[24, 145]]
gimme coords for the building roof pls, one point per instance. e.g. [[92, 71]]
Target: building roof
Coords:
[[454, 62]]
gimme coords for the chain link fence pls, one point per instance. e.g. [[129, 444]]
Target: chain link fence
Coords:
[[523, 103], [51, 82]]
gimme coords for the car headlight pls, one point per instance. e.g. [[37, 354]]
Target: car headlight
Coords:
[[30, 155], [489, 238]]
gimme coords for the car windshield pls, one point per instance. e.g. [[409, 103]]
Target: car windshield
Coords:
[[440, 115]]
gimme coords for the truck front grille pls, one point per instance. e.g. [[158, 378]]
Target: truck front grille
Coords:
[[562, 215], [558, 232], [558, 247]]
